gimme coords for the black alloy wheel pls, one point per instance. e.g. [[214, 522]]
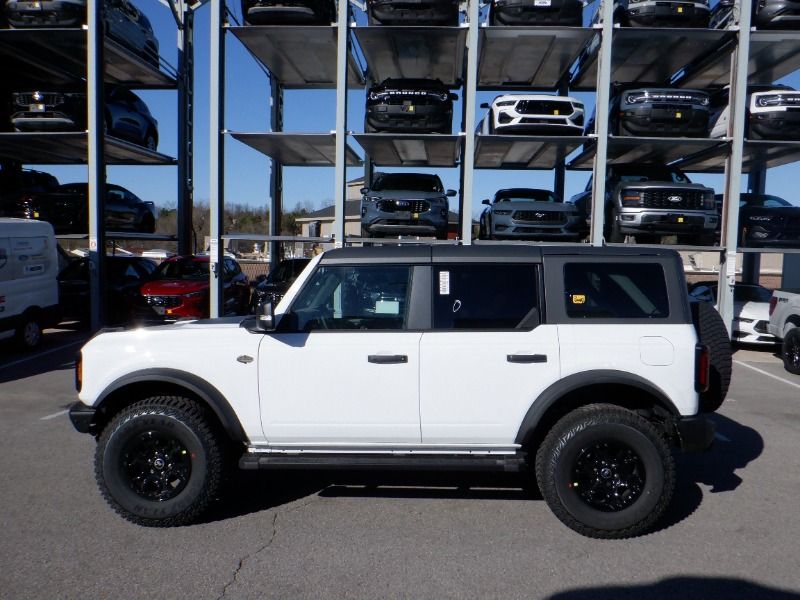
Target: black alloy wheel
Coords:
[[608, 476], [155, 466], [791, 351]]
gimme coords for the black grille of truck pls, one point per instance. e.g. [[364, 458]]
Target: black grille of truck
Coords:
[[539, 216], [689, 199]]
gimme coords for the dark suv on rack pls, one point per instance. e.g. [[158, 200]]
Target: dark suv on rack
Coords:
[[654, 112], [767, 14], [291, 12], [409, 106], [536, 12], [412, 12], [405, 204], [658, 13], [127, 117]]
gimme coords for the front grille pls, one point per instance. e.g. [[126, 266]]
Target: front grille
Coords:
[[543, 107], [689, 199], [533, 121], [539, 216], [47, 98], [165, 301], [413, 97], [414, 206]]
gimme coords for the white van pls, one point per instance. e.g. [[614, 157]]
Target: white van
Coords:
[[28, 283]]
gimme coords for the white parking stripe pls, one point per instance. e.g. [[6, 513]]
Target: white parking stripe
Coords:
[[40, 354], [768, 374], [54, 415]]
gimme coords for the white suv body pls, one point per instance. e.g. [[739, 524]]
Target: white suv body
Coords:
[[543, 114], [444, 357]]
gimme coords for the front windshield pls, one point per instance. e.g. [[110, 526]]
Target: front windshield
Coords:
[[401, 181], [763, 200], [526, 196], [186, 270], [652, 174]]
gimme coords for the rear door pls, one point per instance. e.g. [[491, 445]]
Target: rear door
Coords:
[[487, 356]]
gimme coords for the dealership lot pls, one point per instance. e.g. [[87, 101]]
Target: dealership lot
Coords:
[[731, 531]]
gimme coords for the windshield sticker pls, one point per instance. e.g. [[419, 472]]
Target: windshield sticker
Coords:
[[444, 283]]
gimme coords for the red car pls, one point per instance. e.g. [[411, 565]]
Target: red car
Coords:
[[179, 288]]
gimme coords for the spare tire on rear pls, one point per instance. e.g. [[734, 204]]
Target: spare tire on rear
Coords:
[[712, 332]]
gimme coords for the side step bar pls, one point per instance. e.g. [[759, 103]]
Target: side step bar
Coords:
[[413, 462]]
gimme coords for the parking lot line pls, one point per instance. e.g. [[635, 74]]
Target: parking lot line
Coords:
[[786, 381], [54, 415], [41, 354]]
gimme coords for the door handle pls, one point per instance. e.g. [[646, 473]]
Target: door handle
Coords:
[[387, 359], [526, 358]]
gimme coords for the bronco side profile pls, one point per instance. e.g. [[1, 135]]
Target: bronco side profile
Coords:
[[583, 366]]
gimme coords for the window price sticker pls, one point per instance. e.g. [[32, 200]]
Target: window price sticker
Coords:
[[444, 283]]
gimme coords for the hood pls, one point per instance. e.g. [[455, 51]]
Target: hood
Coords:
[[663, 185], [758, 311], [405, 195], [534, 205], [172, 287]]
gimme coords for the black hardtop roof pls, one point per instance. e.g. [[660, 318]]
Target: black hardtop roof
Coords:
[[479, 253]]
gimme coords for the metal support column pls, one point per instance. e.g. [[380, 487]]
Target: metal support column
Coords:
[[340, 175], [733, 167], [275, 175], [216, 153], [185, 232], [601, 128], [470, 97], [561, 170], [751, 261], [95, 61]]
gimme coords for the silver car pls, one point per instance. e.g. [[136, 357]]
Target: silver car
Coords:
[[405, 204], [531, 214]]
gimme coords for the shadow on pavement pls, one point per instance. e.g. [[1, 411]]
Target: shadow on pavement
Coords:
[[57, 352], [685, 588]]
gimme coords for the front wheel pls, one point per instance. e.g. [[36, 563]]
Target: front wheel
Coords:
[[159, 463], [605, 472], [791, 351]]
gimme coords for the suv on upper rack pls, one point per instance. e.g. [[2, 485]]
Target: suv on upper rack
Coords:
[[542, 114], [772, 113], [658, 13], [648, 201], [405, 204], [664, 112], [409, 106], [536, 12], [412, 12], [437, 357], [291, 12], [767, 14]]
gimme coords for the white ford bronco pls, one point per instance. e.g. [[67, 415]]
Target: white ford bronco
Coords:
[[579, 367]]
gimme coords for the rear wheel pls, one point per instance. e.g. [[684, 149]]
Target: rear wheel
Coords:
[[791, 351], [29, 331], [159, 463], [605, 472]]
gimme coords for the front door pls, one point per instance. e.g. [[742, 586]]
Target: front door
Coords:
[[342, 367]]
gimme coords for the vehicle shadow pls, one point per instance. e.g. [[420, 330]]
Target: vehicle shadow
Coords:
[[57, 352], [685, 588]]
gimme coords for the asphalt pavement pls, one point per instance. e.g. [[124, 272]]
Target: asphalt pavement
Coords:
[[732, 530]]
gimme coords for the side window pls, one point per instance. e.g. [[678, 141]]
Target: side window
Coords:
[[116, 196], [615, 290], [485, 296], [351, 297]]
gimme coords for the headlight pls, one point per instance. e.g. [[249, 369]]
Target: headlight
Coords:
[[743, 320], [769, 100], [193, 294], [631, 198], [506, 103], [636, 98], [374, 95], [444, 96], [703, 100], [501, 212], [708, 201]]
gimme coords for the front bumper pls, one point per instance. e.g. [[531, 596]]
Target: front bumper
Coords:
[[666, 222], [300, 13], [84, 418], [674, 14], [420, 119], [526, 12], [759, 236], [36, 122], [45, 13], [752, 332], [540, 128], [549, 227], [414, 12], [695, 434], [778, 125], [653, 121]]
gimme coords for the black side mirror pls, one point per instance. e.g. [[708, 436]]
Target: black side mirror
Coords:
[[487, 202], [364, 191], [450, 193], [484, 105], [453, 96], [265, 317]]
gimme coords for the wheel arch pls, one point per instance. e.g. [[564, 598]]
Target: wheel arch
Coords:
[[581, 389], [135, 386], [791, 322]]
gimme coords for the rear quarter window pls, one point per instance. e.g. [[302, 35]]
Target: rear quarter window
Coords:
[[615, 291]]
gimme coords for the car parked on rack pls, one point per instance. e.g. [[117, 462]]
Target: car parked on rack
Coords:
[[772, 113], [123, 278], [126, 115], [658, 112], [124, 22], [658, 13], [179, 288], [767, 14], [272, 287], [409, 106], [750, 310], [766, 221], [567, 13], [18, 184], [66, 208], [542, 114], [405, 12], [291, 12], [649, 201], [405, 204], [532, 214]]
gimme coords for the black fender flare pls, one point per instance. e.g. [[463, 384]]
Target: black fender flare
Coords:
[[568, 384], [196, 385]]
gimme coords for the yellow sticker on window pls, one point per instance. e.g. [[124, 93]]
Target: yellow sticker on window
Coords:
[[578, 298]]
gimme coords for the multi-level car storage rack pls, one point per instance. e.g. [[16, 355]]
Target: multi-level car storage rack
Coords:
[[475, 57]]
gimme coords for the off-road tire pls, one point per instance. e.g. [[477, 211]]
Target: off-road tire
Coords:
[[174, 430], [712, 332], [790, 351], [626, 459]]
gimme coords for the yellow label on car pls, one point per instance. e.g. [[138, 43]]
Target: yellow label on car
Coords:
[[415, 215], [678, 115], [555, 112], [680, 9], [578, 298], [680, 219]]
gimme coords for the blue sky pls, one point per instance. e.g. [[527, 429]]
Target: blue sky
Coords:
[[247, 110]]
